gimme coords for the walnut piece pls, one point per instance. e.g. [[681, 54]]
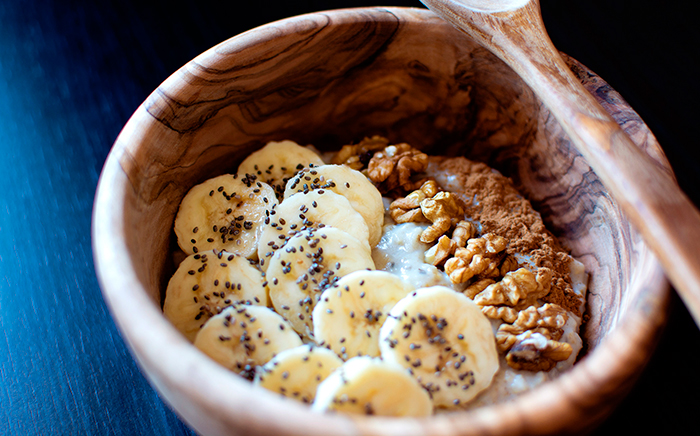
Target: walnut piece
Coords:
[[510, 263], [532, 340], [407, 209], [516, 286], [437, 254], [428, 204], [464, 231], [504, 313], [357, 156], [446, 247], [516, 290], [443, 211], [478, 286], [479, 257], [534, 352], [392, 168], [547, 319]]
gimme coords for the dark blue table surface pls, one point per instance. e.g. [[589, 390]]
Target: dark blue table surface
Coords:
[[72, 72]]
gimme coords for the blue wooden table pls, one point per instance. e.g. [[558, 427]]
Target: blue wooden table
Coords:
[[72, 72]]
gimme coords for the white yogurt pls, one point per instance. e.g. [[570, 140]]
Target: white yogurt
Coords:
[[401, 252]]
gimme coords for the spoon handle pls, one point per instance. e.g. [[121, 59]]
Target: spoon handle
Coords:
[[648, 194]]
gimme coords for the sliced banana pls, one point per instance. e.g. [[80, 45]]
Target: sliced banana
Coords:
[[442, 337], [363, 196], [367, 385], [297, 372], [309, 210], [207, 282], [226, 212], [276, 162], [243, 336], [350, 313], [311, 261]]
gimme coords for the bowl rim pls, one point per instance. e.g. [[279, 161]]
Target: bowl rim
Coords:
[[173, 365]]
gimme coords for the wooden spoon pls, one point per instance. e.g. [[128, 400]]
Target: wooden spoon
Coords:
[[648, 194]]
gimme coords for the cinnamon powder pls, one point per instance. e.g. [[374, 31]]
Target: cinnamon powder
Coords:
[[491, 199]]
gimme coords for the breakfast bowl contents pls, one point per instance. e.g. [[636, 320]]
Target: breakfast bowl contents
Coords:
[[444, 283], [398, 155]]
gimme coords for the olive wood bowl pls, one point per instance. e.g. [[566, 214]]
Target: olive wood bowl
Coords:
[[329, 79]]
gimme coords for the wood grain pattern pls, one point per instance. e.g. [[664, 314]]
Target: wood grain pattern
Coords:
[[328, 79], [644, 189]]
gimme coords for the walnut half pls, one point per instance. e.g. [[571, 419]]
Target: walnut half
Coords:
[[407, 209], [532, 340], [443, 211], [357, 156], [445, 247], [479, 257], [392, 168], [534, 352], [428, 204], [515, 287]]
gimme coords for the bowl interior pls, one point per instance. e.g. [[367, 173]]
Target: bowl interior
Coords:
[[332, 78]]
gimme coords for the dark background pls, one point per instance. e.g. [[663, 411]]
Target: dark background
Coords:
[[71, 74]]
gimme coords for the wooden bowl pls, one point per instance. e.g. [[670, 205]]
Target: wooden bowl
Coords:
[[328, 79]]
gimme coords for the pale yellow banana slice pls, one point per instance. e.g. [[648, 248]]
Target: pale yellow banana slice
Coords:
[[311, 261], [367, 385], [297, 372], [207, 282], [309, 210], [442, 337], [350, 313], [363, 196], [276, 162], [242, 337], [226, 212]]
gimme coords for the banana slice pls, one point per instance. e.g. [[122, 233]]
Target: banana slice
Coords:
[[311, 261], [442, 337], [367, 385], [226, 213], [363, 196], [309, 210], [297, 372], [350, 313], [276, 162], [207, 282], [242, 337]]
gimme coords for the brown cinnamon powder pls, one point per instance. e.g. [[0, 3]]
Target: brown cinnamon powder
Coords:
[[491, 199]]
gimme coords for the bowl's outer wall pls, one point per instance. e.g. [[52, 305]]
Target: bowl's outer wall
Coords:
[[329, 79]]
